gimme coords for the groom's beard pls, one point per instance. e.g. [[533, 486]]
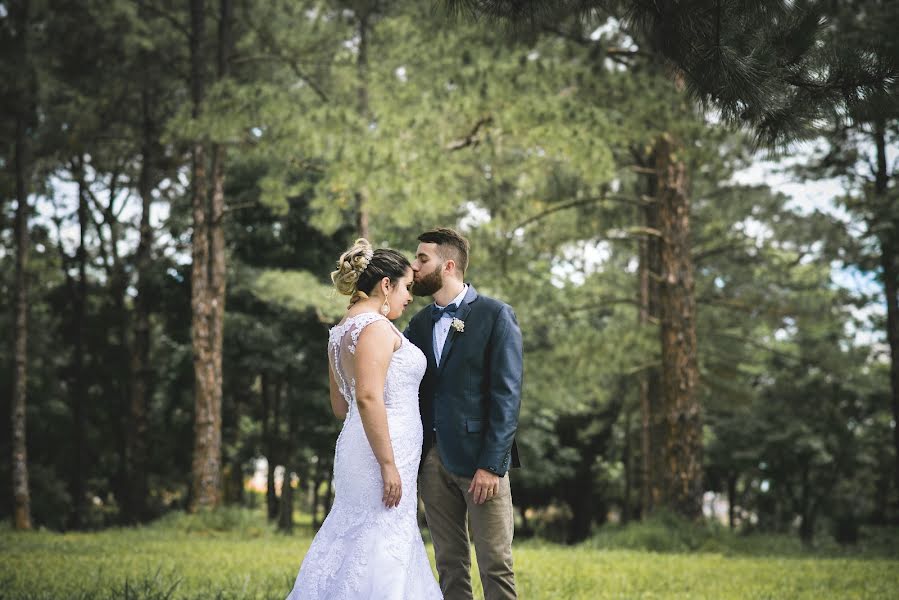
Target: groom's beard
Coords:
[[428, 285]]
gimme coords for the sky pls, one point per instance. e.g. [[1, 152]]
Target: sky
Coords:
[[820, 195]]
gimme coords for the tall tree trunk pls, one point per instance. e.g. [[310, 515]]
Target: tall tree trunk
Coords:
[[118, 285], [289, 452], [140, 352], [20, 488], [285, 517], [217, 264], [329, 489], [21, 495], [236, 483], [207, 461], [364, 112], [889, 262], [216, 269], [270, 427], [807, 509], [731, 500], [316, 498], [79, 385], [234, 480], [628, 466], [651, 423], [682, 443]]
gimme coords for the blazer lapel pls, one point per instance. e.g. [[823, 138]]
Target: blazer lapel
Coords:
[[461, 313], [428, 328]]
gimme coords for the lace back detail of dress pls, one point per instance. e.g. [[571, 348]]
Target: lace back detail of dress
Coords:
[[342, 342]]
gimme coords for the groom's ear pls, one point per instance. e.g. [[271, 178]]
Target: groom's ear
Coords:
[[449, 265]]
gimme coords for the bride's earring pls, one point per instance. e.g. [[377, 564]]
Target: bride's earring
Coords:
[[385, 308]]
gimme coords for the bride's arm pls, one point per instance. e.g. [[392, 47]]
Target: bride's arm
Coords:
[[373, 353], [338, 403]]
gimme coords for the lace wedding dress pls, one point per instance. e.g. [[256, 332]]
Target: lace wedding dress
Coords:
[[364, 550]]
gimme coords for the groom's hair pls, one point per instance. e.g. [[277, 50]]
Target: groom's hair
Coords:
[[450, 245]]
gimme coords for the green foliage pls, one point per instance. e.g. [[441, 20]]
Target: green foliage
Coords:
[[223, 520], [661, 532], [299, 291]]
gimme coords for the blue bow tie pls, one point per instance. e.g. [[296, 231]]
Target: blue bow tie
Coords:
[[437, 313]]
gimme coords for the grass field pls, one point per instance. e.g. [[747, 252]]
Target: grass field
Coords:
[[237, 556]]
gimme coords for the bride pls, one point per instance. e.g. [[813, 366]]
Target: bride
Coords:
[[369, 546]]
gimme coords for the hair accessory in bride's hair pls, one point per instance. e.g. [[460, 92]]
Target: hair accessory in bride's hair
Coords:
[[360, 263], [351, 266]]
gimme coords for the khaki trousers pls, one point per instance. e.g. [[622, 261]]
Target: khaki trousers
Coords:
[[447, 504]]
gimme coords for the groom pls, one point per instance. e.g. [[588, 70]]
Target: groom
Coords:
[[470, 398]]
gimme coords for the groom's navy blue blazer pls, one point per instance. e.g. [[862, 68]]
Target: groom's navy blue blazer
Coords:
[[473, 398]]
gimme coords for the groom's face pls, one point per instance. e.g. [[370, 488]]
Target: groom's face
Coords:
[[427, 269]]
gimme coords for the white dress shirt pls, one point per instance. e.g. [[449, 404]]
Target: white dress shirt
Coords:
[[442, 326]]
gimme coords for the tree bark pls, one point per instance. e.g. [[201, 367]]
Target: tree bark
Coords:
[[217, 259], [807, 509], [137, 453], [207, 461], [329, 491], [889, 262], [271, 499], [271, 393], [217, 269], [77, 486], [731, 501], [628, 466], [117, 276], [681, 477], [236, 483], [650, 385], [285, 518], [316, 499], [21, 495], [20, 487]]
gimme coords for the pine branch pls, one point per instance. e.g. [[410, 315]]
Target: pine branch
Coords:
[[574, 204], [629, 232], [471, 139], [761, 64]]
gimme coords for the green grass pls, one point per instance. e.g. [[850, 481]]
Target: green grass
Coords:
[[235, 554]]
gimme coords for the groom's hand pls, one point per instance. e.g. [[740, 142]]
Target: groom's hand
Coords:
[[484, 486]]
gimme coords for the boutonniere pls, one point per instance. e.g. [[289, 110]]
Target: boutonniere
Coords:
[[458, 325]]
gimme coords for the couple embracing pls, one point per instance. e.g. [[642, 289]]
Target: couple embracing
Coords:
[[432, 409]]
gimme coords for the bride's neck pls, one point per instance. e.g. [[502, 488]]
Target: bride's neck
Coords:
[[367, 305]]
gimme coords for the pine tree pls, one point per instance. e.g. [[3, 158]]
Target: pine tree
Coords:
[[21, 96], [858, 139], [758, 63]]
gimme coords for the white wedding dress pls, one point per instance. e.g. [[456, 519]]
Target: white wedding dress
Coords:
[[364, 550]]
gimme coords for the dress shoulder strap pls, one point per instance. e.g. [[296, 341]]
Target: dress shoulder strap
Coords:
[[354, 326]]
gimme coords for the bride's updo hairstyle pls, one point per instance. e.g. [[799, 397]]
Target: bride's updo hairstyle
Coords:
[[360, 268]]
